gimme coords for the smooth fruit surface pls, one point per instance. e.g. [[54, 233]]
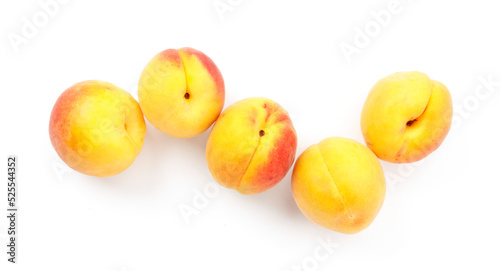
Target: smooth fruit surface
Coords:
[[181, 92], [406, 117], [251, 146], [339, 184], [97, 128]]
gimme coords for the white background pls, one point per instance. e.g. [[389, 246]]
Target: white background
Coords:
[[441, 214]]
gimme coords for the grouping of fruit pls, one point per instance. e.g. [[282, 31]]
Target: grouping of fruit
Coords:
[[98, 129]]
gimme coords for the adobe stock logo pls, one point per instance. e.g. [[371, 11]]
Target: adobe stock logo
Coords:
[[31, 26], [324, 250], [363, 36], [224, 6], [200, 201], [484, 90]]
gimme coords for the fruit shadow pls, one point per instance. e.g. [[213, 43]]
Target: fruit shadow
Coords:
[[278, 200], [160, 157]]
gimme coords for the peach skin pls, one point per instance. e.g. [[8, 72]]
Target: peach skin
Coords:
[[97, 128], [181, 92], [406, 117], [251, 146], [339, 184]]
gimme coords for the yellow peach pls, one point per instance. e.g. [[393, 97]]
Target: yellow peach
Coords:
[[251, 146], [181, 92], [406, 117], [339, 184], [97, 128]]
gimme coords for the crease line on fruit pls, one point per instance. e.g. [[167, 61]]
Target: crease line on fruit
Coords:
[[249, 162], [402, 149], [334, 184], [186, 79], [409, 123]]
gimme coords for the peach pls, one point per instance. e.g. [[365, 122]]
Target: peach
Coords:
[[339, 184], [406, 117], [251, 146], [181, 92], [97, 128]]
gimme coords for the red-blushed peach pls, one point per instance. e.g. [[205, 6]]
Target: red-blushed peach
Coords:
[[251, 146], [406, 116], [97, 128], [181, 92], [339, 184]]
